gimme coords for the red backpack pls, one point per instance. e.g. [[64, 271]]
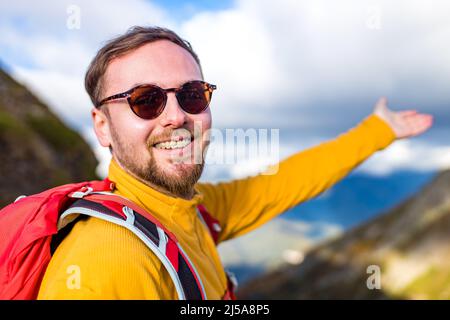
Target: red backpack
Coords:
[[28, 226]]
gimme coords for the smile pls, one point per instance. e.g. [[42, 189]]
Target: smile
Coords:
[[173, 144]]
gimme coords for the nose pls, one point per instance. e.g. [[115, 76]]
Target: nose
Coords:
[[173, 115]]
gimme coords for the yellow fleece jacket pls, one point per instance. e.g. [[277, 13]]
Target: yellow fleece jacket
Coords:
[[110, 262]]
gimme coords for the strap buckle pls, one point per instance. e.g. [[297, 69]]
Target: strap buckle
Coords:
[[81, 194]]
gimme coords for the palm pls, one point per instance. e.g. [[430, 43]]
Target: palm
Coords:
[[405, 124]]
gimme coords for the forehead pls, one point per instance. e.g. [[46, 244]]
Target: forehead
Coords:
[[161, 62]]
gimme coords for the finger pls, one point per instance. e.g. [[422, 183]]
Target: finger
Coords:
[[420, 124], [409, 114], [414, 125], [381, 104], [383, 100], [406, 113], [417, 117]]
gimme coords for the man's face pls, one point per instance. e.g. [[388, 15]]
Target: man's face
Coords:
[[134, 141]]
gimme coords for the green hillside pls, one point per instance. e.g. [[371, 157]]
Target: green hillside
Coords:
[[37, 150]]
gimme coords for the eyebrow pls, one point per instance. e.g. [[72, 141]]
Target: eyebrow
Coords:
[[136, 84]]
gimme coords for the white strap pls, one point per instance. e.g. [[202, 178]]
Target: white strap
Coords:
[[71, 213]]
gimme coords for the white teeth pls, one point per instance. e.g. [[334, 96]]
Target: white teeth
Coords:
[[173, 144]]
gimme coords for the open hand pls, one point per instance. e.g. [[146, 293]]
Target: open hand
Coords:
[[405, 124]]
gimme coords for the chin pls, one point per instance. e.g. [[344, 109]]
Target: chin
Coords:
[[177, 170]]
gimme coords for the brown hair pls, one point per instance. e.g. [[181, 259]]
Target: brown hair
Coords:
[[134, 38]]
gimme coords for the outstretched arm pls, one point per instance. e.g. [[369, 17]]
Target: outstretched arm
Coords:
[[243, 205]]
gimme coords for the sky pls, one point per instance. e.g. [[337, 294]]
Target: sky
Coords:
[[310, 69]]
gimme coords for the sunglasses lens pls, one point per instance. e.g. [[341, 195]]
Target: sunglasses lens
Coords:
[[194, 97], [147, 102]]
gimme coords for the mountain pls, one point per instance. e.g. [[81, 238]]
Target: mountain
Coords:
[[360, 197], [37, 150], [409, 245], [354, 200]]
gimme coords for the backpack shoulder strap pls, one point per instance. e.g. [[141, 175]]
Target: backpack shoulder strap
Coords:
[[214, 228], [157, 238], [210, 222]]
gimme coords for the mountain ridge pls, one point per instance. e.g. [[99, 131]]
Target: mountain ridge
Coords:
[[37, 150], [352, 201], [409, 244]]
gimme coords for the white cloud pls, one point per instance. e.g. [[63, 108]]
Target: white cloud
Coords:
[[99, 19], [267, 56], [63, 92], [409, 155]]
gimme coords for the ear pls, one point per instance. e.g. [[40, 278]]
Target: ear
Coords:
[[101, 127]]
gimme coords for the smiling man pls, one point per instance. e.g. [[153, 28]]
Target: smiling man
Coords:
[[152, 109]]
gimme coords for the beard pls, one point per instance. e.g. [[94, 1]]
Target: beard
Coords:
[[179, 184]]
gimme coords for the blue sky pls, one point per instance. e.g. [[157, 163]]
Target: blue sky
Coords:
[[183, 10], [311, 69]]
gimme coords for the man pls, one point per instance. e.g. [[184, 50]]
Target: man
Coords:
[[147, 130]]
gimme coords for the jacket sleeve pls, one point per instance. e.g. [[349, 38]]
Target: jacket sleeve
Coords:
[[245, 204]]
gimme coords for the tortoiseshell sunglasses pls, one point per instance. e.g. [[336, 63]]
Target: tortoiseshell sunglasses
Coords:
[[147, 101]]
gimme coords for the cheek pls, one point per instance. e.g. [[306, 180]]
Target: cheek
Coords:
[[140, 133], [207, 123], [203, 122], [132, 130]]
